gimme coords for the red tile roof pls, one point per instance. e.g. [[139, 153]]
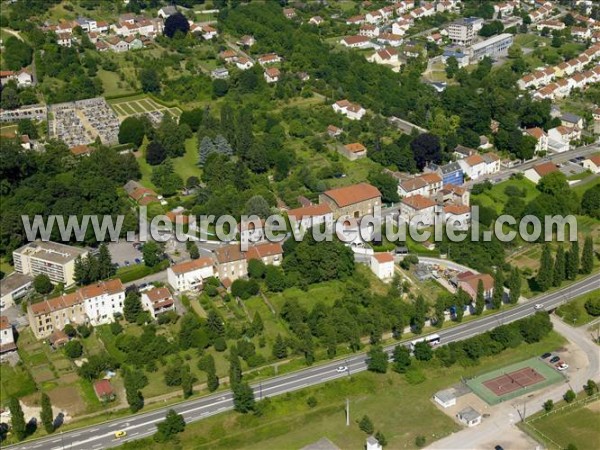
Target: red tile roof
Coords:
[[356, 193], [418, 202], [264, 250], [383, 257], [545, 168], [103, 388], [309, 211], [194, 264]]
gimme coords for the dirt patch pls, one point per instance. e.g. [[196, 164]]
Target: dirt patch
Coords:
[[69, 378], [68, 400], [42, 374], [594, 406]]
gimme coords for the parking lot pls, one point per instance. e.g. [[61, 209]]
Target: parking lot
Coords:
[[124, 253]]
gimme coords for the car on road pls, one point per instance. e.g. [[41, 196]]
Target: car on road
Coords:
[[341, 369], [561, 366], [120, 434], [555, 359], [546, 355], [580, 158], [538, 306]]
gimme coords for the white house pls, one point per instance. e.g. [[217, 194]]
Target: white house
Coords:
[[457, 216], [473, 166], [385, 56], [249, 232], [592, 164], [427, 185], [382, 265], [560, 138], [157, 301], [469, 417], [418, 208], [356, 41], [270, 253], [272, 75], [244, 63], [269, 58], [167, 11], [374, 17], [492, 163], [189, 275], [7, 338], [369, 30], [373, 444], [535, 173], [307, 217], [445, 398], [540, 136], [13, 287], [400, 27], [316, 20], [352, 111], [101, 301]]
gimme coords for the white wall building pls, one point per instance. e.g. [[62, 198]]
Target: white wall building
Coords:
[[189, 275], [102, 301], [310, 216], [382, 265], [158, 301], [7, 337]]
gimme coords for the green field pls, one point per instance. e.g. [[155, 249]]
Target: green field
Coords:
[[187, 165], [574, 312], [575, 424], [496, 197], [112, 84], [549, 373]]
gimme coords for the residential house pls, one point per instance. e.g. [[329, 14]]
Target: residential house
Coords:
[[400, 27], [272, 75], [382, 265], [229, 56], [374, 17], [220, 73], [469, 417], [270, 253], [7, 337], [356, 41], [102, 301], [231, 263], [104, 390], [560, 138], [571, 120], [536, 172], [581, 33], [592, 164], [352, 111], [310, 216], [247, 41], [355, 201], [353, 151], [457, 216], [451, 172], [289, 13], [492, 163], [250, 231], [551, 25], [244, 63], [455, 195], [386, 55], [14, 287], [355, 20], [189, 275], [473, 166], [390, 39], [53, 259], [116, 44], [427, 184], [460, 151], [469, 282], [167, 11], [368, 30], [316, 20], [445, 398], [64, 39], [419, 209], [269, 58], [334, 131], [540, 136], [158, 300]]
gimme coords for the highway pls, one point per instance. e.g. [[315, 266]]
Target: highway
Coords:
[[141, 425]]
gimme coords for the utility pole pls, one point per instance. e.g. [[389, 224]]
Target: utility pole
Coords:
[[347, 412]]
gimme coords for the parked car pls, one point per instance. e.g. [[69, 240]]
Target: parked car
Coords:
[[546, 355], [562, 366], [127, 263], [138, 260], [555, 359]]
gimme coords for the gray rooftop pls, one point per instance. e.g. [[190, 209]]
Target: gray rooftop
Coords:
[[51, 251], [450, 167], [569, 117], [13, 282], [372, 441], [446, 395], [469, 414]]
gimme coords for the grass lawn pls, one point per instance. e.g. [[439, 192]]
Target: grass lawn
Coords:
[[187, 165], [112, 83], [574, 312], [15, 382], [496, 197], [327, 292], [288, 422], [577, 424], [5, 267]]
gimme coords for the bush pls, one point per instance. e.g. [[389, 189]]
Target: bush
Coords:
[[73, 349], [548, 405], [420, 441], [414, 376], [84, 331], [311, 402], [592, 306], [220, 344], [116, 328], [569, 396]]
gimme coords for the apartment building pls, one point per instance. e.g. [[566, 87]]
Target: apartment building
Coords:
[[189, 275], [493, 47], [158, 301], [48, 258], [462, 32]]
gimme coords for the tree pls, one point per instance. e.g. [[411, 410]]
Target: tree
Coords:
[[257, 205], [173, 424], [572, 263], [257, 325], [73, 349], [207, 364], [17, 419], [417, 321], [187, 381], [479, 299], [220, 87], [420, 441], [377, 360], [193, 251], [590, 202], [106, 269], [16, 54], [559, 266], [548, 405], [569, 396], [590, 387], [498, 294], [176, 23], [366, 425], [235, 368], [152, 254], [514, 284], [402, 359], [279, 348], [545, 272], [426, 148], [243, 398], [423, 351], [451, 67], [42, 284], [587, 256], [27, 127], [132, 307], [222, 145], [381, 438], [491, 28], [275, 279], [256, 268], [132, 131], [387, 185], [592, 306], [206, 148], [149, 80], [46, 415]]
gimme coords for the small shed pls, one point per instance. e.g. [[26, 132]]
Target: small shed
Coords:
[[469, 416], [104, 391], [445, 398], [58, 339]]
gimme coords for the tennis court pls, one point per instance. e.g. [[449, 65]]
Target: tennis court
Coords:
[[513, 381]]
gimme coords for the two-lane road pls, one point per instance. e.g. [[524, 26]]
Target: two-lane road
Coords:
[[137, 426]]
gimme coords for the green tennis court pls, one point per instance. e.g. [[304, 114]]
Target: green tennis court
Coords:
[[489, 385]]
